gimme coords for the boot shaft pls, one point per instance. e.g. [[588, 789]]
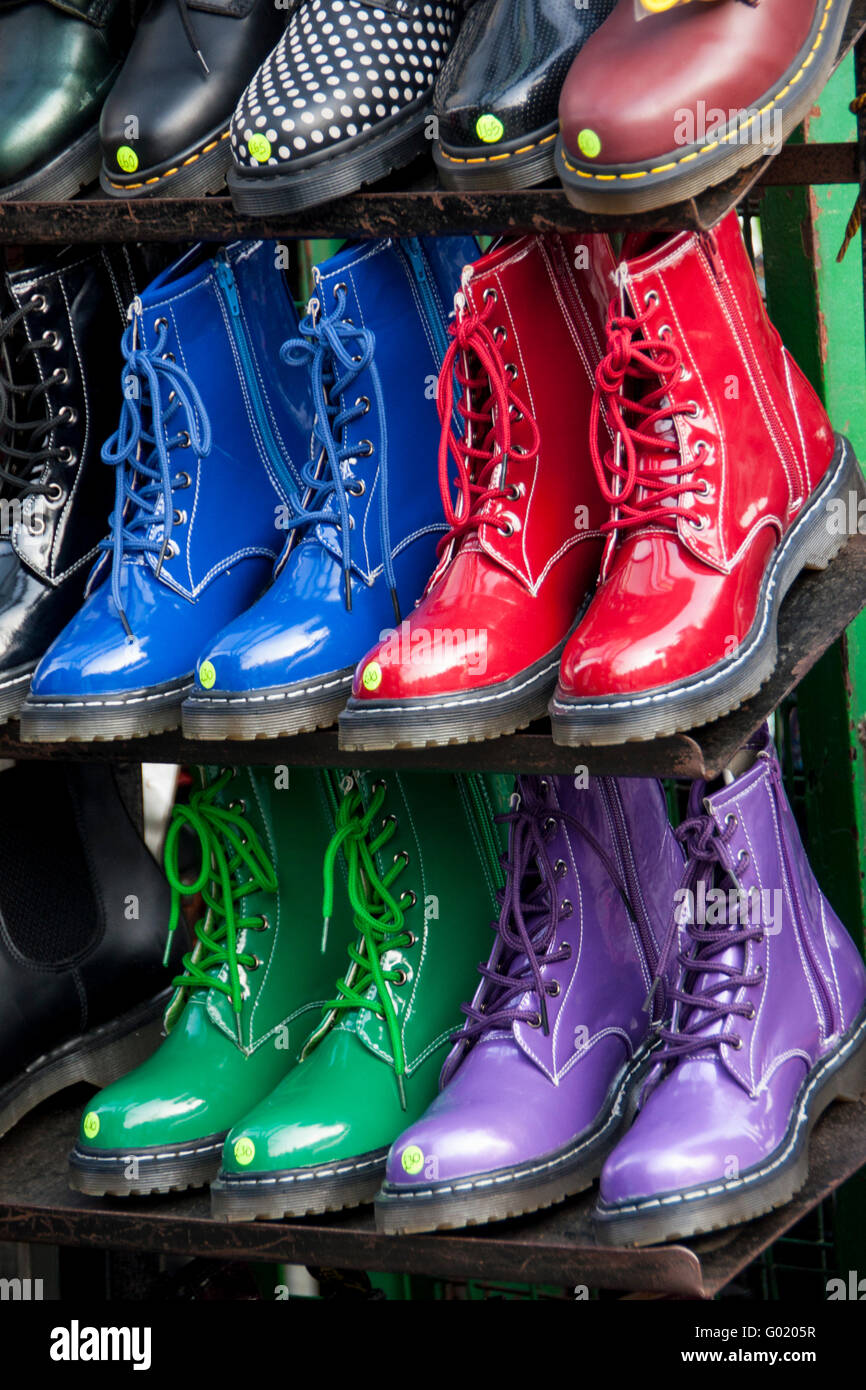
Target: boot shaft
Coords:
[[286, 964], [811, 980], [732, 392], [439, 858], [592, 874], [60, 358], [371, 347], [525, 448], [203, 373]]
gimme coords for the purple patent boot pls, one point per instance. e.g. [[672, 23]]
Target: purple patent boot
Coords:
[[537, 1087], [769, 1025]]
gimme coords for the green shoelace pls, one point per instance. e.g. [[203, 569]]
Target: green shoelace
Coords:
[[228, 845], [378, 915]]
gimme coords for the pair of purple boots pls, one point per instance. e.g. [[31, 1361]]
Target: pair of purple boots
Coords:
[[672, 1011]]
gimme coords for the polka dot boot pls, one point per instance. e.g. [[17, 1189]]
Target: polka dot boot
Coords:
[[343, 99]]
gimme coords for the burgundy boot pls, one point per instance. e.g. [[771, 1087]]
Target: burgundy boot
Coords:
[[769, 1027]]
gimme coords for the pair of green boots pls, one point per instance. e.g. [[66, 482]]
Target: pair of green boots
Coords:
[[279, 1090]]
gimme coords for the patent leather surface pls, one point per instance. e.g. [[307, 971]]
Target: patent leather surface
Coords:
[[302, 627], [74, 303], [702, 58], [226, 501], [177, 99], [55, 71], [343, 1099], [721, 1109], [52, 998], [516, 1093], [214, 1064], [508, 592], [510, 61], [677, 592]]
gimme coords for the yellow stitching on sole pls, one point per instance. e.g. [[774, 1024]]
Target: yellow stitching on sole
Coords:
[[128, 187], [490, 158]]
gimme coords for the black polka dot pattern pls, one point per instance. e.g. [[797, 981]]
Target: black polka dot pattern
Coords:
[[340, 69]]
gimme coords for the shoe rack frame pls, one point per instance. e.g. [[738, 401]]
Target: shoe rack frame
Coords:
[[801, 196]]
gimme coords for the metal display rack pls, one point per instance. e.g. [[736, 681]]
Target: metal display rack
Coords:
[[557, 1246]]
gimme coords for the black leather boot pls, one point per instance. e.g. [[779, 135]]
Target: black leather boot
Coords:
[[165, 126], [344, 98], [497, 97], [83, 916], [58, 59], [61, 321]]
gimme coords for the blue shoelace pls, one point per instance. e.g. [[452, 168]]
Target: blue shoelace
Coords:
[[144, 479], [335, 353]]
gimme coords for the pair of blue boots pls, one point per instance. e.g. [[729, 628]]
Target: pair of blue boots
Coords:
[[275, 507]]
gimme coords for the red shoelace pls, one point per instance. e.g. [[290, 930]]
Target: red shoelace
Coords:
[[488, 407]]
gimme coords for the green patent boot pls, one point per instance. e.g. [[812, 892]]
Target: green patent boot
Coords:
[[423, 858], [252, 987]]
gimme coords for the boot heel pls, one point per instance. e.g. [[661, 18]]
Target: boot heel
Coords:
[[850, 1080], [825, 540]]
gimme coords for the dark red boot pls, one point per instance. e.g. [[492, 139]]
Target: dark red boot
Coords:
[[480, 654], [725, 482]]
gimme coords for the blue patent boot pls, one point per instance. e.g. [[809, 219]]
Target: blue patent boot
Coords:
[[362, 543], [208, 453]]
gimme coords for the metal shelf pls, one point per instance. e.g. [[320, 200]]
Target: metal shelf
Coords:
[[554, 1247], [815, 614]]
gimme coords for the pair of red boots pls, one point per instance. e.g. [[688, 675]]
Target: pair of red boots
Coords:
[[641, 473]]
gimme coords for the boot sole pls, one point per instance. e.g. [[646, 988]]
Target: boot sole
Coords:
[[461, 717], [145, 1172], [688, 171], [193, 174], [523, 164], [97, 1058], [700, 1210], [136, 714], [509, 1192], [293, 1192], [13, 690], [344, 169], [280, 712], [64, 176], [714, 692]]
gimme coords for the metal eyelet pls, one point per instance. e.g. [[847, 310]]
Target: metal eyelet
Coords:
[[704, 490], [651, 299], [51, 339], [66, 455], [365, 402], [389, 820], [491, 296], [700, 523], [69, 416], [737, 1043], [265, 923], [342, 286], [507, 530], [401, 977], [238, 805], [516, 415], [701, 447], [38, 303], [553, 989], [534, 1021], [549, 825], [515, 492], [60, 375], [751, 1014], [519, 450], [566, 947], [411, 895], [412, 940], [183, 481], [743, 859], [512, 371], [666, 331], [500, 334], [358, 489], [404, 855], [54, 493], [365, 449], [178, 517], [160, 323], [374, 787], [543, 784], [560, 868], [172, 551], [257, 963], [731, 821], [693, 412], [759, 970], [184, 440], [566, 904]]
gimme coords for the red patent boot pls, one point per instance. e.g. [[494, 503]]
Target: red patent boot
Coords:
[[480, 654], [725, 481]]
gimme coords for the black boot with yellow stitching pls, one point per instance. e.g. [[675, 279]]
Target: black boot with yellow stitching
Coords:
[[165, 125], [423, 853], [248, 994], [497, 96]]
